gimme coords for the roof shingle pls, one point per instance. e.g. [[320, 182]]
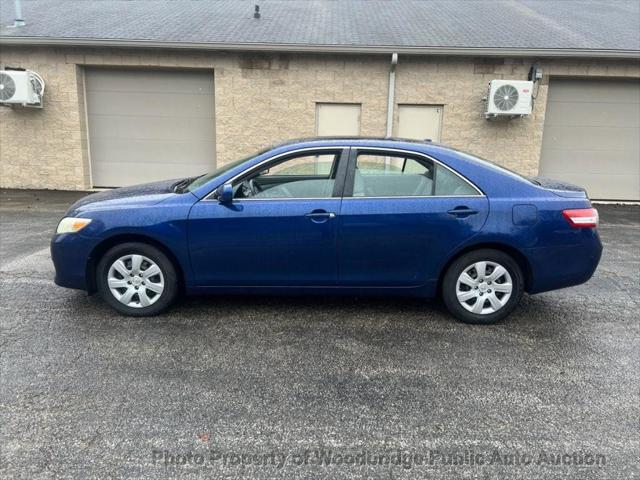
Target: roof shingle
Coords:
[[524, 24]]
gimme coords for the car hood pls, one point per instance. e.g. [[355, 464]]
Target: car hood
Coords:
[[144, 194]]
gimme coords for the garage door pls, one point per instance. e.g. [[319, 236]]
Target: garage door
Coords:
[[147, 125], [592, 137]]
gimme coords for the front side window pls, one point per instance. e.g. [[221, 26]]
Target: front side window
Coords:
[[305, 175], [312, 165]]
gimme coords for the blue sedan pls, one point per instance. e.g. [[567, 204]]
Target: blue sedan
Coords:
[[334, 215]]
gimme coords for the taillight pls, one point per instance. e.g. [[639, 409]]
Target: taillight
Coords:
[[582, 217]]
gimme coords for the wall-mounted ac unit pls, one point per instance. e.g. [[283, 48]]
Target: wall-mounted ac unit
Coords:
[[21, 88], [509, 98]]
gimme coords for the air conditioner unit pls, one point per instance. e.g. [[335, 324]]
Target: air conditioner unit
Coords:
[[21, 88], [509, 98]]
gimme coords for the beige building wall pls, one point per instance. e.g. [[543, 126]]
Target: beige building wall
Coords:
[[266, 98]]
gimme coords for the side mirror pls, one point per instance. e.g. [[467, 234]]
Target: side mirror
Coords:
[[224, 193]]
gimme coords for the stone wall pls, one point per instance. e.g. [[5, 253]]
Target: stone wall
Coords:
[[266, 98]]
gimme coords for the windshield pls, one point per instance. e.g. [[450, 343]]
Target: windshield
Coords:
[[199, 181]]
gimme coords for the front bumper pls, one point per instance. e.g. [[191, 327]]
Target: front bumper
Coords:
[[70, 253]]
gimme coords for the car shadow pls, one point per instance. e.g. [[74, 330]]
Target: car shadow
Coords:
[[538, 311], [345, 334]]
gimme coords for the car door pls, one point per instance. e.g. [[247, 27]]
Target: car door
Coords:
[[280, 229], [401, 215]]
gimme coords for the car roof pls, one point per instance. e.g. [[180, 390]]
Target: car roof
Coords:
[[424, 146], [351, 140]]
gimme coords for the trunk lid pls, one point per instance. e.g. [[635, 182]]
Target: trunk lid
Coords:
[[560, 188]]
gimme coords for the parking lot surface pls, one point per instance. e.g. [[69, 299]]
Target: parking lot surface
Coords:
[[314, 387]]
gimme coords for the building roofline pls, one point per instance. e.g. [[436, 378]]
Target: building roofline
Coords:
[[316, 48]]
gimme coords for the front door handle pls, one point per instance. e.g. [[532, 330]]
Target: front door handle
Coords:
[[320, 216], [462, 212]]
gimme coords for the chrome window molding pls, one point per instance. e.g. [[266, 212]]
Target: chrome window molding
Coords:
[[284, 198], [413, 196], [339, 147], [401, 197]]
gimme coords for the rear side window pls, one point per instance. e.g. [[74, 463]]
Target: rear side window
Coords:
[[450, 184], [384, 175], [396, 175]]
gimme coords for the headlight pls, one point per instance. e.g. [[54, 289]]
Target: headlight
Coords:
[[72, 225]]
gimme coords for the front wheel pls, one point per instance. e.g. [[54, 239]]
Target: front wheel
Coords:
[[482, 286], [137, 279]]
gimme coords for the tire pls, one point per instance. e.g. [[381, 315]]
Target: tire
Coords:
[[461, 293], [146, 292]]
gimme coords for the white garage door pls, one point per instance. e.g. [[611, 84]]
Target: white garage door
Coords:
[[147, 125], [592, 137]]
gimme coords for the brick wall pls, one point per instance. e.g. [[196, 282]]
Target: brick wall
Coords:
[[44, 148], [266, 98]]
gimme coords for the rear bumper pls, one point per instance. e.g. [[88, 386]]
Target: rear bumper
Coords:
[[564, 266]]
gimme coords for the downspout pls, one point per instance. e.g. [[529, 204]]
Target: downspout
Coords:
[[392, 93], [19, 21]]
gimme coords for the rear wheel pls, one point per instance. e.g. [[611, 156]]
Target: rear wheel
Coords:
[[482, 286], [137, 279]]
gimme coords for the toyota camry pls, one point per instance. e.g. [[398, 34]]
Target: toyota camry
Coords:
[[350, 216]]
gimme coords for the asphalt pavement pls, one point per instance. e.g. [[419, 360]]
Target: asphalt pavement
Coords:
[[314, 387]]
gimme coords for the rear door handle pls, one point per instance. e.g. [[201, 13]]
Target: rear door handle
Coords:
[[320, 216], [462, 212]]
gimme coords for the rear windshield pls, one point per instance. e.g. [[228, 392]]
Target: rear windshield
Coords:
[[501, 167]]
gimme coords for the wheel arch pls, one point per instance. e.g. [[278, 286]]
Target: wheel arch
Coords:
[[102, 248], [514, 253]]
